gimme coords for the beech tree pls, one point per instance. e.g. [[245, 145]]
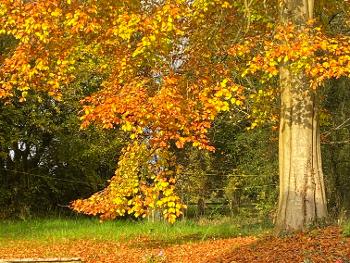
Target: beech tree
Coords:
[[302, 197], [302, 57], [169, 69]]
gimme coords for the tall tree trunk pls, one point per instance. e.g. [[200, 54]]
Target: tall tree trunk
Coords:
[[302, 195]]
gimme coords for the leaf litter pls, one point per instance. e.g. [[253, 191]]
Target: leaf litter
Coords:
[[318, 245]]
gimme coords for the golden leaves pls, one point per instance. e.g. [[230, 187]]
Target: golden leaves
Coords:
[[126, 25], [128, 40], [32, 64], [143, 182], [321, 57]]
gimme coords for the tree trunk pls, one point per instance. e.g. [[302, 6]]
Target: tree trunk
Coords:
[[302, 195]]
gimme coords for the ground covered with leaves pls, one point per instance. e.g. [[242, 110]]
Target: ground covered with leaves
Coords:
[[319, 245]]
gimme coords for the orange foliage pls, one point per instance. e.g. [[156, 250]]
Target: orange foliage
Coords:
[[159, 84]]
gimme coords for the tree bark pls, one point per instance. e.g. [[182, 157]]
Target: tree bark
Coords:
[[302, 198]]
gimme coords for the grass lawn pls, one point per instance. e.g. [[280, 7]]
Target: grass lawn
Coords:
[[121, 230], [346, 229]]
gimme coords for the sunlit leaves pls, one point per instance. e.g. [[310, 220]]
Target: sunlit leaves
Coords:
[[144, 182], [320, 56], [32, 65], [309, 50]]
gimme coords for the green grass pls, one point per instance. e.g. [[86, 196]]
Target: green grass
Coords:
[[346, 229], [121, 230]]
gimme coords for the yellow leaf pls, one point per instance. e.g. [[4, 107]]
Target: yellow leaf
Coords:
[[224, 83], [127, 126], [164, 184]]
